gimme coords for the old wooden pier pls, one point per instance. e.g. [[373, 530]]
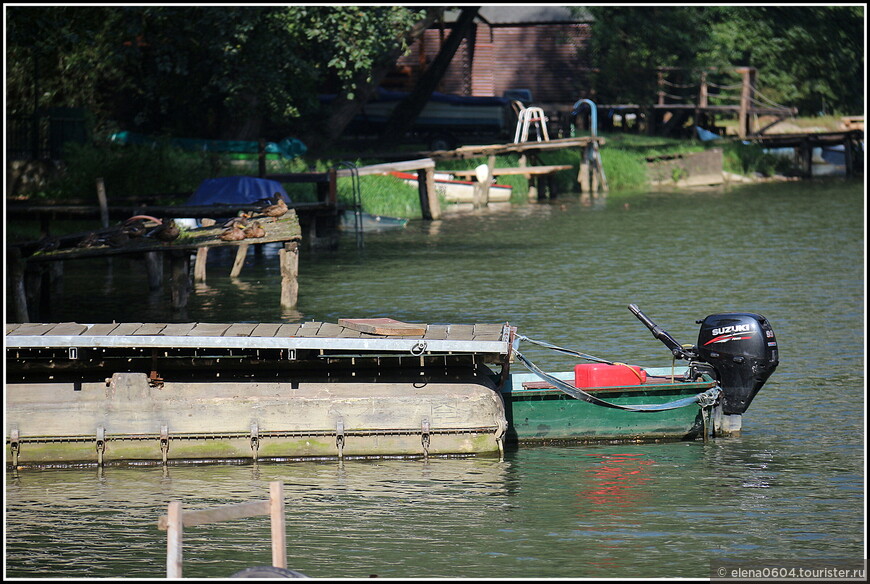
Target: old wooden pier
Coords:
[[161, 392], [32, 270]]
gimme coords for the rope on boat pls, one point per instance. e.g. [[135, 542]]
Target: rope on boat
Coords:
[[581, 355], [704, 399]]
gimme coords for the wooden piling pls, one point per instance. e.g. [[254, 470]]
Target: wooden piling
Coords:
[[201, 255], [16, 284], [288, 257], [241, 254], [278, 524], [174, 539], [180, 291], [154, 269], [429, 203], [744, 123], [104, 204]]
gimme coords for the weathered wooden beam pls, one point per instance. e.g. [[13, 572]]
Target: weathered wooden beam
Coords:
[[217, 514], [288, 258], [201, 255], [383, 326], [180, 291], [239, 262], [174, 540], [388, 167], [16, 284], [430, 206], [278, 524], [154, 269], [104, 204]]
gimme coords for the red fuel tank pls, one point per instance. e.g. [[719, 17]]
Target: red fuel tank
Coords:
[[603, 375]]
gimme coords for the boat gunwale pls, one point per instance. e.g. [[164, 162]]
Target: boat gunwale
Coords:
[[660, 384]]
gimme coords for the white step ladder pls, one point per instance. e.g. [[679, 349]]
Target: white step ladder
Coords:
[[530, 116]]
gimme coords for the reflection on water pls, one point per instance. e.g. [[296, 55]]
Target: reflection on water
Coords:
[[791, 487]]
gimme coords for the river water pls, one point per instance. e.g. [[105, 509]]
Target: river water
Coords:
[[792, 487]]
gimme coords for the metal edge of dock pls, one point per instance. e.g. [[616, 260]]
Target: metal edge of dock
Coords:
[[498, 343]]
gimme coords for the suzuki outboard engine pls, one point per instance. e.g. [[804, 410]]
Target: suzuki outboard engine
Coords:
[[740, 347]]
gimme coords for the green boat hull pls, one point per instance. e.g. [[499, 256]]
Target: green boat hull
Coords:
[[536, 414]]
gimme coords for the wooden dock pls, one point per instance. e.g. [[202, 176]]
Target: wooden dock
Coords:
[[160, 392], [591, 179], [28, 267], [685, 99], [804, 143], [54, 340], [32, 269]]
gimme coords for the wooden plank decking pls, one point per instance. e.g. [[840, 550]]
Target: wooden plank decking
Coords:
[[462, 338]]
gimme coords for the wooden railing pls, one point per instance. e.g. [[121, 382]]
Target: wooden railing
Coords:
[[177, 519]]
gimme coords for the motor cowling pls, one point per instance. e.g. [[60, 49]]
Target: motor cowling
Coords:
[[741, 347]]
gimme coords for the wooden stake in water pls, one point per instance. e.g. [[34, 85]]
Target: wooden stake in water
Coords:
[[176, 520]]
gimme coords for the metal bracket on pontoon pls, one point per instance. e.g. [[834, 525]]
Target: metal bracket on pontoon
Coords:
[[419, 348], [164, 443], [14, 445], [255, 440], [339, 437], [425, 430], [101, 444]]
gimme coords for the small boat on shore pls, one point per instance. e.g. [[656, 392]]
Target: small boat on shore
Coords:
[[459, 191], [139, 393], [352, 220]]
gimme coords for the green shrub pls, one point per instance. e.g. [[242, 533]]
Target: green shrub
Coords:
[[751, 158], [130, 171]]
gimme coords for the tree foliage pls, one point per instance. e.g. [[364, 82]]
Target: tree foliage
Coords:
[[628, 44], [212, 72], [811, 57], [245, 72]]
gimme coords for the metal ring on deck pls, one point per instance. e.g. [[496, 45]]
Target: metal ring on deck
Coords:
[[419, 348]]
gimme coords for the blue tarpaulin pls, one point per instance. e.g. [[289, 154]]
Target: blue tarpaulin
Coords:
[[236, 190]]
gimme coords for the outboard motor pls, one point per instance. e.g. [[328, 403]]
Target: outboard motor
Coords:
[[740, 348]]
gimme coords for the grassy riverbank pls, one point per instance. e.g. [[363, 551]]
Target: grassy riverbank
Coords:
[[130, 172]]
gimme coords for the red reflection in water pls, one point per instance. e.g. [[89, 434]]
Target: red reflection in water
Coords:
[[617, 482], [614, 485]]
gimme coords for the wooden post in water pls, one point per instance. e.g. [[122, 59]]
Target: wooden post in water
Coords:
[[176, 519], [104, 204], [805, 158], [15, 282], [429, 204], [241, 254], [490, 165], [848, 160], [523, 162], [180, 290], [154, 269], [278, 524], [174, 540], [288, 258], [201, 255]]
